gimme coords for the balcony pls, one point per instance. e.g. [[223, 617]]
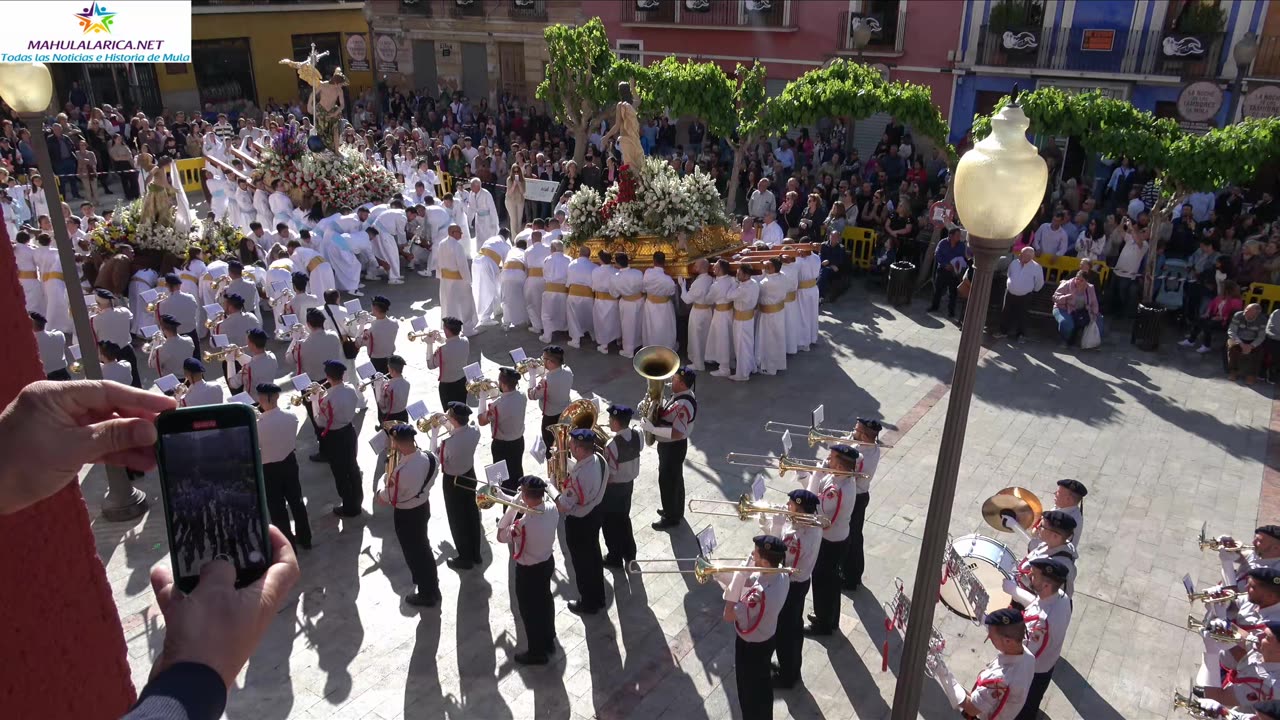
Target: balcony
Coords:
[[1107, 50], [886, 32], [717, 14]]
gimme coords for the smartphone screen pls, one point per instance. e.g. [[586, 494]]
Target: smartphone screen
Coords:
[[214, 498]]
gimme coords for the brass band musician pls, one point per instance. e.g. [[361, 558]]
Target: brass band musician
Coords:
[[551, 391], [183, 307], [198, 390], [1047, 615], [579, 502], [866, 433], [622, 456], [239, 285], [457, 461], [1236, 562], [450, 359], [531, 537], [237, 322], [334, 410], [803, 541], [1001, 688], [1254, 673], [379, 339], [391, 392], [835, 490], [506, 417], [302, 301], [278, 440], [672, 428], [254, 365], [310, 355], [1051, 541], [408, 491], [755, 619], [168, 354]]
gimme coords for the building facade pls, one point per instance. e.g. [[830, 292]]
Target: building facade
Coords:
[[1173, 58]]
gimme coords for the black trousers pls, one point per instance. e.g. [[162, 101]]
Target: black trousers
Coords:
[[945, 281], [533, 600], [855, 557], [127, 354], [379, 364], [826, 583], [339, 449], [582, 535], [512, 451], [411, 532], [789, 637], [671, 477], [615, 524], [284, 498], [464, 516], [62, 374], [1039, 686], [549, 438], [751, 668], [455, 391], [195, 343], [311, 418], [1014, 318]]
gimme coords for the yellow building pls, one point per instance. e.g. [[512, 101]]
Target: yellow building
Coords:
[[237, 47]]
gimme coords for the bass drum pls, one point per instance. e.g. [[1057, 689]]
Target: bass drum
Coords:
[[990, 561]]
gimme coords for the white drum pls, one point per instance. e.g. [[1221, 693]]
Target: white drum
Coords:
[[990, 561]]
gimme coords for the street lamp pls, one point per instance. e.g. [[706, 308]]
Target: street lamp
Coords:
[[859, 35], [28, 89], [998, 188], [1243, 53]]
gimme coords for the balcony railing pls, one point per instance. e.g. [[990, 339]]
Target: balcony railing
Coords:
[[886, 32], [417, 7], [1102, 50], [1267, 64], [708, 13]]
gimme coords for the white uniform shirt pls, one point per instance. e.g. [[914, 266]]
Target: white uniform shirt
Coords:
[[580, 272], [1001, 689], [1065, 554], [678, 413], [756, 614], [450, 359], [113, 325], [584, 488], [868, 461], [277, 435], [410, 483], [168, 358], [184, 308], [602, 282], [1047, 621], [552, 391], [117, 371], [623, 456], [380, 337], [245, 288], [392, 395], [53, 350], [1235, 565], [835, 501], [506, 415], [337, 408], [628, 283], [300, 304], [236, 326], [311, 354], [253, 370], [698, 291], [458, 451], [803, 543], [532, 536], [202, 392]]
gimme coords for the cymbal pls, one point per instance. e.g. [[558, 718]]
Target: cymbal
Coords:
[[1021, 503]]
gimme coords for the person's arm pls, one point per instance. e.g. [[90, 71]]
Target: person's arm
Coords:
[[1233, 329], [183, 691]]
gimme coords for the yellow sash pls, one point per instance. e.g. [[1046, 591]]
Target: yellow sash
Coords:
[[744, 315], [659, 299], [806, 284], [492, 255], [724, 307], [555, 288], [583, 291], [704, 306], [791, 297], [633, 298], [450, 274], [514, 265], [52, 276], [535, 272], [776, 307], [604, 296], [315, 263], [188, 277], [28, 275]]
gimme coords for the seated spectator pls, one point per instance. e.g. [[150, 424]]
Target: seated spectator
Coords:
[[1250, 266], [771, 234], [1271, 259], [1215, 318], [1075, 305], [1245, 335], [748, 230], [833, 278], [811, 220]]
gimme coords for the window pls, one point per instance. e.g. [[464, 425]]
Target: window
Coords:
[[224, 72], [632, 50], [330, 42], [882, 17]]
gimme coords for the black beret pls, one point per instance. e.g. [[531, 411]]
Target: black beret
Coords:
[[1271, 531], [1074, 486], [1052, 567], [1004, 616], [807, 500], [268, 389], [403, 431], [1268, 575], [533, 482], [381, 301], [169, 321], [459, 408], [105, 294], [257, 334], [870, 424], [172, 279], [622, 412], [1060, 521], [335, 365], [583, 434], [192, 364], [846, 451], [770, 543]]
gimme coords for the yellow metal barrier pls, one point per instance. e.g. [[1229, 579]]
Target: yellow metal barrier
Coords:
[[860, 242], [1063, 267], [191, 172], [1266, 295]]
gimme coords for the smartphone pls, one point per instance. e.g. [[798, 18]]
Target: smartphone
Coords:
[[215, 502]]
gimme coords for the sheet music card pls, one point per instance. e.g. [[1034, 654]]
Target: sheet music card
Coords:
[[707, 541], [301, 382], [365, 370], [539, 450], [473, 372], [149, 330], [378, 442], [758, 488], [288, 321], [149, 296], [220, 341], [212, 309], [243, 398], [418, 323], [418, 410], [496, 473], [518, 354], [818, 416], [786, 443], [352, 306], [167, 383]]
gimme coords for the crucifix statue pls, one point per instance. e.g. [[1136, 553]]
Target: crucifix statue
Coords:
[[309, 72]]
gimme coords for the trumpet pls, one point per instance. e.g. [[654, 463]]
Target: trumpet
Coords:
[[376, 377], [225, 353], [745, 508], [1221, 595], [1233, 635], [75, 368], [180, 390], [151, 306], [94, 309], [1208, 543], [308, 393], [434, 335], [360, 318], [489, 495], [784, 464], [1191, 705], [433, 422], [703, 569], [210, 322], [821, 436], [296, 330], [527, 364], [285, 296], [220, 283], [484, 385], [156, 341]]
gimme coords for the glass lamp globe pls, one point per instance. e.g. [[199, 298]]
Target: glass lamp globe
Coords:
[[1000, 183], [1246, 50], [860, 34], [27, 87]]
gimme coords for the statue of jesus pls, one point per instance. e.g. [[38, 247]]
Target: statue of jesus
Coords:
[[329, 106], [627, 129]]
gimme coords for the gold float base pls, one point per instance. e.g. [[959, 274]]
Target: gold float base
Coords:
[[680, 252]]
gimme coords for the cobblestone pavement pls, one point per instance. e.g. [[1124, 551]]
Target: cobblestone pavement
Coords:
[[1163, 442]]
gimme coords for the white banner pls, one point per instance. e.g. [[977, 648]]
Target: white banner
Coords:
[[540, 190], [97, 31]]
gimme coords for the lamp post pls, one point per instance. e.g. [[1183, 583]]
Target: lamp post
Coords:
[[998, 187], [859, 35], [1243, 54], [28, 89]]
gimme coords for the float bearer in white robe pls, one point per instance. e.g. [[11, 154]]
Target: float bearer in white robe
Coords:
[[809, 266], [771, 319], [57, 304], [511, 287], [629, 285], [390, 221], [720, 335], [458, 214], [581, 296], [319, 271], [143, 279], [605, 326], [219, 192], [455, 281], [534, 256], [480, 208], [485, 272], [659, 312], [28, 275], [262, 205], [555, 293], [795, 324], [281, 206], [744, 296], [695, 295]]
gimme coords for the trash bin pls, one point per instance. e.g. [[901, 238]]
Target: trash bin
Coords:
[[1147, 327], [902, 283]]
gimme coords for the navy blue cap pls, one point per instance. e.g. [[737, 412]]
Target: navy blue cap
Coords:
[[172, 279], [169, 321], [1076, 487], [268, 389], [459, 408], [1058, 520], [847, 452], [1004, 616], [770, 544], [334, 365], [807, 500], [871, 424], [1271, 531], [192, 364], [403, 431], [381, 301], [622, 412], [1274, 627], [1264, 574], [688, 375], [533, 482], [583, 434], [1052, 567], [105, 294]]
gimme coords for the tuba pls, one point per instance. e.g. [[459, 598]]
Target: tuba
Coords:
[[579, 415], [654, 363]]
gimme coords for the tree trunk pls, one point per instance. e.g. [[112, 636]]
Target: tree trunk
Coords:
[[739, 152], [926, 267], [1160, 214], [581, 135]]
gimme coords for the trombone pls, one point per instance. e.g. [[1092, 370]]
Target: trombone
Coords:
[[703, 568], [489, 495], [433, 335], [484, 385], [210, 322], [745, 508], [151, 306], [524, 366], [376, 377], [823, 436], [1231, 636], [1221, 595], [784, 464], [225, 353], [307, 394]]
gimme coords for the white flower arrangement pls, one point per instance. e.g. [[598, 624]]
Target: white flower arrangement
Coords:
[[665, 205]]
